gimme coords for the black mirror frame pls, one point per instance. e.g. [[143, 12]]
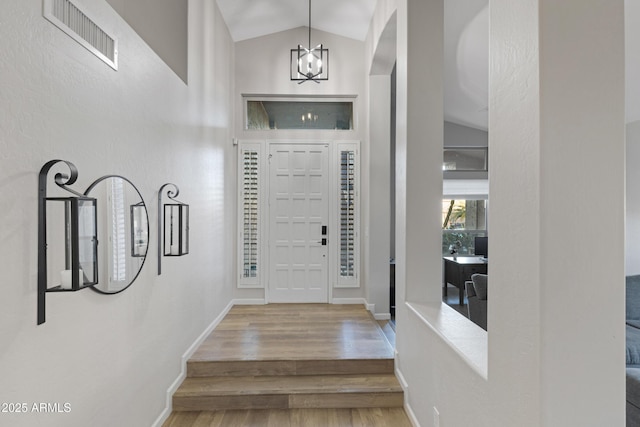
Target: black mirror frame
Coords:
[[94, 184]]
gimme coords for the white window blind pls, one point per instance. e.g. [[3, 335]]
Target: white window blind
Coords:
[[348, 203], [118, 233], [250, 215]]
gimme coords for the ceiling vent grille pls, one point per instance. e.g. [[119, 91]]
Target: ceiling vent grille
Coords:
[[73, 21]]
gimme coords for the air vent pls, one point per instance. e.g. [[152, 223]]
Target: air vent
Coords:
[[73, 21]]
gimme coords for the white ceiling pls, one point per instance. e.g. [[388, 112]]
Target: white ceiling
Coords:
[[466, 62], [247, 19], [466, 43]]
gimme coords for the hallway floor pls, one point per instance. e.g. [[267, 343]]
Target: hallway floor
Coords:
[[296, 332], [303, 365]]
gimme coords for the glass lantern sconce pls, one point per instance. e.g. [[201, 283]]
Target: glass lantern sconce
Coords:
[[173, 225], [67, 237]]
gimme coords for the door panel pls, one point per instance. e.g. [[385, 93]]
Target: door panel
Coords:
[[298, 208]]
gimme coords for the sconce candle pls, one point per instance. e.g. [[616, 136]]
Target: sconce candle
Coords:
[[66, 281]]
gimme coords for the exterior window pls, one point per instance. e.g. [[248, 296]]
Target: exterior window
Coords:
[[462, 221], [249, 223], [348, 215], [284, 114]]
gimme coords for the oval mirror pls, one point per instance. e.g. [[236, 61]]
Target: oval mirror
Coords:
[[123, 232]]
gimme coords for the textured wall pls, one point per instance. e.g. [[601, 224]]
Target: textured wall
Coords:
[[162, 24], [112, 358]]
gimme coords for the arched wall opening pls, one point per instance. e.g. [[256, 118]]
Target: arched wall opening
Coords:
[[380, 171]]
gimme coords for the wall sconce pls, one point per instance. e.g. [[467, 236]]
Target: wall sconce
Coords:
[[173, 226], [67, 237]]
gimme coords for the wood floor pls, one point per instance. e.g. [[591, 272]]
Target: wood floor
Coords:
[[292, 365], [361, 417], [295, 332]]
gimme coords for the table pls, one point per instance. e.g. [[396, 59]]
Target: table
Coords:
[[459, 269]]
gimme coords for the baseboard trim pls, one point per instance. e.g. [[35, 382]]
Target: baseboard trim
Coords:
[[411, 415], [186, 356], [403, 382], [370, 307], [249, 301], [405, 389], [382, 316], [350, 301]]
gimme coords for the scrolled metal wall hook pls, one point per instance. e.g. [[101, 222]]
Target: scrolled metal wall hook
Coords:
[[72, 215], [183, 247]]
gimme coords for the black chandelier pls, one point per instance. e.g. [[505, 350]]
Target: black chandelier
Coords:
[[310, 64]]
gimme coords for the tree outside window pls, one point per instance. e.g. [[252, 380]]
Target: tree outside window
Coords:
[[462, 221]]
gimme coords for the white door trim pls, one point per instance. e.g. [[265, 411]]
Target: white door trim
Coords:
[[264, 147]]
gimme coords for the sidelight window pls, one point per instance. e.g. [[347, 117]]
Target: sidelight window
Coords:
[[348, 204], [249, 199]]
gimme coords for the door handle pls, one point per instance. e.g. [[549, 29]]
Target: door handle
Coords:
[[323, 242]]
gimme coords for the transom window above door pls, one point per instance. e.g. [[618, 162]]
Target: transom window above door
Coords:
[[272, 113]]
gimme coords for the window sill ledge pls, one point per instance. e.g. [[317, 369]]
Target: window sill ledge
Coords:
[[464, 337]]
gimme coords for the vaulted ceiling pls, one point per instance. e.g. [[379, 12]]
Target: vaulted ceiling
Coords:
[[247, 19], [466, 43]]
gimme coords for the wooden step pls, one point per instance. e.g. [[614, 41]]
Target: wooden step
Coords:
[[285, 392], [210, 368]]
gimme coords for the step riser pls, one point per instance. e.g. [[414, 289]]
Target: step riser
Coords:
[[289, 367], [298, 401]]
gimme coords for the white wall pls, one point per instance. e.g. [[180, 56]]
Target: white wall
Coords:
[[112, 358], [163, 25], [632, 220], [378, 212], [262, 68], [581, 111], [556, 143]]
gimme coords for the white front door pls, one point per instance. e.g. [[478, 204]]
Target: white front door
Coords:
[[298, 210]]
